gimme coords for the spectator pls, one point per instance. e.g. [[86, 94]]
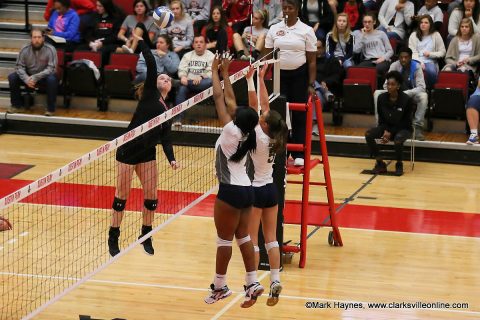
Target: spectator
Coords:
[[374, 46], [84, 8], [64, 23], [473, 109], [354, 9], [217, 33], [463, 52], [370, 5], [199, 11], [166, 60], [181, 29], [252, 38], [297, 44], [469, 9], [102, 36], [329, 76], [394, 123], [140, 23], [318, 15], [273, 7], [427, 47], [35, 68], [394, 18], [340, 41], [433, 10], [413, 85], [238, 14], [194, 71]]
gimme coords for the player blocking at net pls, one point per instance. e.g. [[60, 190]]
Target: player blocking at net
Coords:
[[271, 135], [234, 200], [139, 155]]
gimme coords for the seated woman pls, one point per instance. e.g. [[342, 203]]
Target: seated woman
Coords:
[[395, 16], [427, 47], [463, 52], [318, 15], [339, 42], [103, 35], [394, 123], [167, 61], [140, 23], [217, 33], [64, 23], [181, 29], [253, 37], [84, 8], [469, 9], [374, 47], [238, 14]]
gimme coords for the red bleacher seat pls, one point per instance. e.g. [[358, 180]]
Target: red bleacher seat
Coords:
[[119, 74], [358, 89]]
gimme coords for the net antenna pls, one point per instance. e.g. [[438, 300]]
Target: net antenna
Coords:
[[34, 273]]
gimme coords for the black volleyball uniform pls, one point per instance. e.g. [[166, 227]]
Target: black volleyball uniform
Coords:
[[142, 149]]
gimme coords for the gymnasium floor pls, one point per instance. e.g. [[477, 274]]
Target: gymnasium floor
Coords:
[[406, 239]]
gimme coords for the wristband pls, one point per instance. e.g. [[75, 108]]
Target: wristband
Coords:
[[251, 84]]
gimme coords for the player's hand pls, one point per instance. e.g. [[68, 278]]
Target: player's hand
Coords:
[[174, 165], [5, 224], [226, 59], [263, 71], [250, 72], [217, 60]]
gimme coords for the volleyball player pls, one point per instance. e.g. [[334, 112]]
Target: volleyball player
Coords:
[[139, 155], [235, 194], [5, 224], [271, 134]]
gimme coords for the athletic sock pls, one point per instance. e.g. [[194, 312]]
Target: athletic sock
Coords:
[[251, 277], [220, 280]]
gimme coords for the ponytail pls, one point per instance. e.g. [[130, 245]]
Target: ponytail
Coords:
[[246, 119], [278, 130], [139, 90]]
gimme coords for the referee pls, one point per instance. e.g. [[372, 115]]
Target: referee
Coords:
[[297, 46]]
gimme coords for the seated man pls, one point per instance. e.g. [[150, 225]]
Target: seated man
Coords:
[[194, 71], [35, 67], [413, 85], [167, 61], [473, 109], [394, 122]]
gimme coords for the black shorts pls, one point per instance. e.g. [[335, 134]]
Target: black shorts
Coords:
[[240, 197], [265, 196], [135, 153]]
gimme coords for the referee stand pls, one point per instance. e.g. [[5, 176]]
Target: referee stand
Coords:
[[306, 212]]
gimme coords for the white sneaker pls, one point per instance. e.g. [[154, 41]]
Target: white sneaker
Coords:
[[275, 289], [217, 294], [299, 162], [252, 292], [176, 124], [473, 139], [127, 49]]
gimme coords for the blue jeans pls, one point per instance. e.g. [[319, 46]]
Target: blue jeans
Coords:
[[50, 83], [431, 74], [184, 91], [390, 34]]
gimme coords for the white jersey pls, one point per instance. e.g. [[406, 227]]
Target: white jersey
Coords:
[[262, 160], [230, 172]]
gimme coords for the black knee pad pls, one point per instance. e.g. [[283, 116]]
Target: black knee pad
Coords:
[[118, 204], [150, 204]]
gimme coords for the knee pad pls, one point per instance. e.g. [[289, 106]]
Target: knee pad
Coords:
[[271, 245], [118, 204], [256, 249], [223, 243], [150, 204], [243, 240]]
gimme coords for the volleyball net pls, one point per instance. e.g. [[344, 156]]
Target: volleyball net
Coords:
[[61, 221]]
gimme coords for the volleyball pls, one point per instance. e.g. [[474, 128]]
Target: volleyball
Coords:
[[163, 17]]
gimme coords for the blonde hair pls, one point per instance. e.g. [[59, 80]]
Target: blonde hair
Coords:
[[139, 90], [182, 6], [348, 31], [264, 14]]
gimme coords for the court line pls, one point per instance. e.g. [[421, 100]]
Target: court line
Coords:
[[240, 294], [235, 300]]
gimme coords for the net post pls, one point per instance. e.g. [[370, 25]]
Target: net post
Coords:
[[276, 74]]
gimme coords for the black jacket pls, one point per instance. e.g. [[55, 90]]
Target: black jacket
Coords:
[[397, 116], [330, 71], [325, 15]]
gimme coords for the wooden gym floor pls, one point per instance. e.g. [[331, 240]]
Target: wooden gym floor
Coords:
[[407, 239]]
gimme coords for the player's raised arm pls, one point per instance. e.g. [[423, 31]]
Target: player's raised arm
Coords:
[[218, 95]]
